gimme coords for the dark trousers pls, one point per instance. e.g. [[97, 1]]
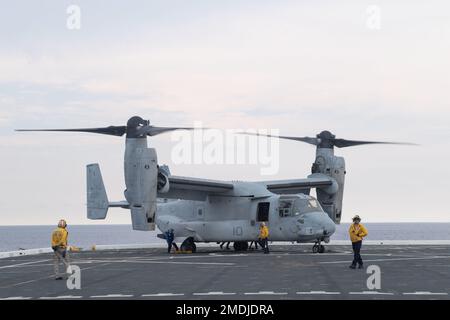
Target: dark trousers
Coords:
[[170, 244], [356, 253], [228, 245], [264, 245]]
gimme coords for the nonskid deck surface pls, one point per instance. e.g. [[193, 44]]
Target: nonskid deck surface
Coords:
[[288, 272]]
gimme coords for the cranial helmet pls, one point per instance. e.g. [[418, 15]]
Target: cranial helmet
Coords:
[[356, 218], [62, 223]]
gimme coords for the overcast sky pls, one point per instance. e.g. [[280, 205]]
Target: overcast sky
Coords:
[[297, 66]]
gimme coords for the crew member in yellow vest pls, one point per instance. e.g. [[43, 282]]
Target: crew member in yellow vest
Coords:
[[263, 237], [59, 246], [357, 232]]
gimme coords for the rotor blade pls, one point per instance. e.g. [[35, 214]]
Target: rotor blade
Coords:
[[313, 141], [112, 130], [342, 143], [153, 131]]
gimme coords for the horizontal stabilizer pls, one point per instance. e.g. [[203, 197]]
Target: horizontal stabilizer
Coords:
[[120, 204]]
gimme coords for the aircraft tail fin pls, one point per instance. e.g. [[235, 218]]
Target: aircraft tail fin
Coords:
[[97, 199]]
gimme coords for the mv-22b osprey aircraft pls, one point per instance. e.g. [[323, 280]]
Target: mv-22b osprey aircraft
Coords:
[[203, 210]]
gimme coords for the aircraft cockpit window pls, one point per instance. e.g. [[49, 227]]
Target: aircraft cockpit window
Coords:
[[294, 208], [313, 204], [305, 206], [285, 208]]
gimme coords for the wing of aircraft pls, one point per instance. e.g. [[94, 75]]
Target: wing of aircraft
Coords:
[[189, 188], [298, 185], [194, 188]]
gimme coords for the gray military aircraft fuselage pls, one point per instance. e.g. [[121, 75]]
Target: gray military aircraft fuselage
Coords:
[[203, 210], [235, 217]]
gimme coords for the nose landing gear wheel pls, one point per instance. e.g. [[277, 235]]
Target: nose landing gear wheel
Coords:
[[315, 248], [318, 248], [240, 246]]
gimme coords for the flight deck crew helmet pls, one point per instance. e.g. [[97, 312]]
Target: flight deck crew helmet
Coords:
[[263, 224], [356, 218], [62, 223]]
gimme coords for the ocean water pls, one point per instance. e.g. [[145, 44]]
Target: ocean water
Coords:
[[31, 237]]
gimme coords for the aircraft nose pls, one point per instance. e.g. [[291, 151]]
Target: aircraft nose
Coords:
[[330, 227]]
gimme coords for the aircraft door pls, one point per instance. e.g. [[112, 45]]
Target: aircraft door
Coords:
[[262, 214]]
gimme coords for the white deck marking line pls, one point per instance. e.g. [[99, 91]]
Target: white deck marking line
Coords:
[[318, 292], [215, 293], [398, 259], [373, 293], [29, 281], [170, 262], [61, 297], [163, 295], [171, 259], [23, 264], [209, 255], [179, 256], [43, 278], [339, 254], [265, 293], [426, 293], [31, 266], [200, 263], [223, 255], [113, 296], [218, 255], [16, 298]]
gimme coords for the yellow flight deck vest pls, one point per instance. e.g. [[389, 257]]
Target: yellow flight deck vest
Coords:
[[264, 232], [59, 237], [357, 233]]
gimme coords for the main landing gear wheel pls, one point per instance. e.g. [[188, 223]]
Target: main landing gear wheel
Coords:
[[189, 245], [318, 248], [240, 246]]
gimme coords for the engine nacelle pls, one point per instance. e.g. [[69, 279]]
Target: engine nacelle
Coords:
[[334, 167], [141, 178]]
